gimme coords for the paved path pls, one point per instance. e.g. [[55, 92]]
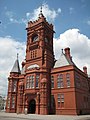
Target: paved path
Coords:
[[14, 116]]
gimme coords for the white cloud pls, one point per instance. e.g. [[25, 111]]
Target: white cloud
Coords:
[[50, 14], [8, 51], [71, 10], [88, 22], [79, 44]]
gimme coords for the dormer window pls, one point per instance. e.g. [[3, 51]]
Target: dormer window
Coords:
[[35, 38]]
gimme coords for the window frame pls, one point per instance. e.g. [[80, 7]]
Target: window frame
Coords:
[[60, 83], [68, 80]]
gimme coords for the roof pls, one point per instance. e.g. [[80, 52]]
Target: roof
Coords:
[[63, 61], [16, 68]]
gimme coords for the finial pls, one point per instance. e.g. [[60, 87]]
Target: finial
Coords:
[[62, 50], [17, 56], [40, 11]]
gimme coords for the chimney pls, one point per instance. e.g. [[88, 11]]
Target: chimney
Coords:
[[23, 64], [67, 52], [85, 69]]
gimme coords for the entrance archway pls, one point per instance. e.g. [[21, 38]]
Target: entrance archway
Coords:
[[32, 106]]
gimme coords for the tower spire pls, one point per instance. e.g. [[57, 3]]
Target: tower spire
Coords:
[[16, 68]]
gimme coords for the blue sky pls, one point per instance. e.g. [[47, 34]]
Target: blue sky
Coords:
[[71, 20], [74, 14]]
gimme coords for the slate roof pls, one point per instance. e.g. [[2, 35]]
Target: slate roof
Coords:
[[16, 68], [63, 61]]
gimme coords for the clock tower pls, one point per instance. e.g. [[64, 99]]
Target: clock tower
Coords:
[[39, 61]]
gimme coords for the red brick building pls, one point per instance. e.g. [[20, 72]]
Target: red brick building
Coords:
[[44, 85]]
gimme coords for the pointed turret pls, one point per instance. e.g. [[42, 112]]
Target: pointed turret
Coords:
[[16, 68]]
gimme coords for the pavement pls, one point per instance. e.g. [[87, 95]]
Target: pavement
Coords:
[[14, 116]]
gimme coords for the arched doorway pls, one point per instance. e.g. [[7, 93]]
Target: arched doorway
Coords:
[[32, 106]]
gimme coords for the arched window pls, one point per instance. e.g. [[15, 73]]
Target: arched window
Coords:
[[60, 81], [35, 38], [68, 79]]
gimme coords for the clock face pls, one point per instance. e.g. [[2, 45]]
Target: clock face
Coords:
[[35, 38]]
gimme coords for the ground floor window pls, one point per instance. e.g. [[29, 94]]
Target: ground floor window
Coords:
[[60, 100]]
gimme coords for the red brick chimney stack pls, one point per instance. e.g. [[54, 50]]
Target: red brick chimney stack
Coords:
[[67, 52], [23, 64], [85, 69]]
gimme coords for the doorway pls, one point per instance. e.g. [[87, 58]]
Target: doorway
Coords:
[[32, 106]]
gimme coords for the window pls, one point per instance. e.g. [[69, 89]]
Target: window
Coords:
[[37, 81], [8, 104], [14, 85], [33, 54], [27, 83], [30, 82], [60, 81], [52, 81], [78, 84], [60, 100], [68, 79], [13, 102]]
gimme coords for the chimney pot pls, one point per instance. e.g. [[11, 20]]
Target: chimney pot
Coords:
[[85, 69], [67, 52], [23, 64]]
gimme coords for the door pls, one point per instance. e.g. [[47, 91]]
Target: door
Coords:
[[32, 106]]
